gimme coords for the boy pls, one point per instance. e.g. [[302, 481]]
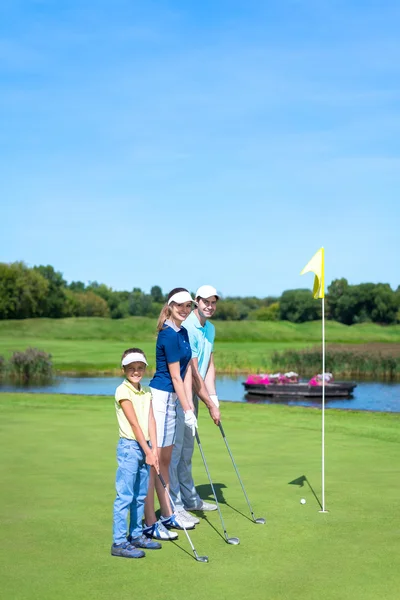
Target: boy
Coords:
[[135, 456]]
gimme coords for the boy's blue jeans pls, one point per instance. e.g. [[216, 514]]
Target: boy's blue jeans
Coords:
[[131, 483]]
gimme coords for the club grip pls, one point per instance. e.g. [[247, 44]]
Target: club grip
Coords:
[[162, 480]]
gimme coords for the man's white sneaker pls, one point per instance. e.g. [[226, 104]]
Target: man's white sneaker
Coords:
[[205, 506], [177, 522], [181, 513]]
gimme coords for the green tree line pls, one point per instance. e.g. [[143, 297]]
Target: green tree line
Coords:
[[41, 291]]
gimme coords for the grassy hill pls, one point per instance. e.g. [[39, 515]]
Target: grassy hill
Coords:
[[144, 329], [96, 344]]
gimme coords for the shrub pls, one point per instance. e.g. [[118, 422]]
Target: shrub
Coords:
[[85, 304], [31, 365], [267, 313], [121, 311], [2, 366]]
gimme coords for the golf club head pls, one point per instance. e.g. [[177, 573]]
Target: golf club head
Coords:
[[202, 558], [233, 540], [260, 521]]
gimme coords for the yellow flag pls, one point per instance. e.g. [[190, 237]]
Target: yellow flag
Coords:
[[316, 266]]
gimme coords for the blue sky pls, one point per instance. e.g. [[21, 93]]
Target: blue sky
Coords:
[[182, 143]]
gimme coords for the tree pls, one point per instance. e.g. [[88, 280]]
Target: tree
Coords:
[[343, 302], [23, 292], [299, 306], [53, 306], [336, 290], [139, 303], [351, 304], [385, 304], [156, 294], [77, 286]]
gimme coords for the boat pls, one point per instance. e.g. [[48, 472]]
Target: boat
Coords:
[[332, 390]]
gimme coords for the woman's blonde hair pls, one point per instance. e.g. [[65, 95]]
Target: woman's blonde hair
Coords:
[[166, 309]]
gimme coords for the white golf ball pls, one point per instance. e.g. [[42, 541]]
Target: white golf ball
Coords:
[[303, 501]]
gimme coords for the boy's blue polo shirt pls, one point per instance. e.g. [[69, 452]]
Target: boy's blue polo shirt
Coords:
[[172, 346], [201, 341]]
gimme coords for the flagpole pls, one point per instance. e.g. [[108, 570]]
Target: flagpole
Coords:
[[323, 406], [317, 266]]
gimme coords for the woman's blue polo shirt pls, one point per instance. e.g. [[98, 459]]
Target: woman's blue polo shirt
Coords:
[[172, 346]]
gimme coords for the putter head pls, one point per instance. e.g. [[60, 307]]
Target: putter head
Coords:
[[202, 558], [260, 521], [233, 540]]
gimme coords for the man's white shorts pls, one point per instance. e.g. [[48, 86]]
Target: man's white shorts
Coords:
[[164, 408]]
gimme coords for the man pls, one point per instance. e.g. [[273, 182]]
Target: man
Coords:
[[201, 336]]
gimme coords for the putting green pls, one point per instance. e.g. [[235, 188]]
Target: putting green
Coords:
[[57, 474]]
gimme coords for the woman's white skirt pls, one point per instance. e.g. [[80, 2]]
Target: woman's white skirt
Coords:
[[164, 408]]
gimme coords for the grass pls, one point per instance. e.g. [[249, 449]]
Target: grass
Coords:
[[144, 329], [90, 345], [57, 473]]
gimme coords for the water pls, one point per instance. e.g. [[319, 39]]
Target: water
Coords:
[[375, 396]]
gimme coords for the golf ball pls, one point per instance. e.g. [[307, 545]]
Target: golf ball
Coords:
[[303, 501]]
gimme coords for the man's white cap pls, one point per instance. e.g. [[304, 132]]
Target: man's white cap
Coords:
[[133, 357], [181, 297], [206, 291]]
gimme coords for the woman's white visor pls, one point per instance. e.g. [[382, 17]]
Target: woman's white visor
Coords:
[[181, 297]]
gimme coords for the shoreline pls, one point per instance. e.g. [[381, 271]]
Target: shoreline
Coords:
[[150, 372]]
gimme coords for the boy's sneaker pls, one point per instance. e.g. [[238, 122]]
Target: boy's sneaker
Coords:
[[205, 506], [126, 550], [181, 513], [159, 532], [143, 542], [177, 522]]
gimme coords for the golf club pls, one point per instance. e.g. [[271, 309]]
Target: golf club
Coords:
[[260, 520], [233, 540], [203, 559]]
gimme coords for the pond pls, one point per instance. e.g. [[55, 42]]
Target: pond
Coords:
[[375, 396]]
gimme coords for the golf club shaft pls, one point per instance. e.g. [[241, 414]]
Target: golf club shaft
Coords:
[[173, 507], [211, 484], [236, 469]]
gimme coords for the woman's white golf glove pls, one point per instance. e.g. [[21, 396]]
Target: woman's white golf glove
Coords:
[[191, 421], [214, 398]]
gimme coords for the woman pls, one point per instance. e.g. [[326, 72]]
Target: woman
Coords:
[[173, 356]]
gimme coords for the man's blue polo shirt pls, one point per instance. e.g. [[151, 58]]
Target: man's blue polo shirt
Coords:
[[201, 341], [172, 346]]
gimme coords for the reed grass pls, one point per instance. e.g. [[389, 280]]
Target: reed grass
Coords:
[[27, 366], [378, 361]]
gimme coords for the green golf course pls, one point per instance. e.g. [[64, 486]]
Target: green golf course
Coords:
[[57, 473]]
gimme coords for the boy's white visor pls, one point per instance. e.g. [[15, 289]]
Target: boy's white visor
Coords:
[[133, 357], [181, 297]]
